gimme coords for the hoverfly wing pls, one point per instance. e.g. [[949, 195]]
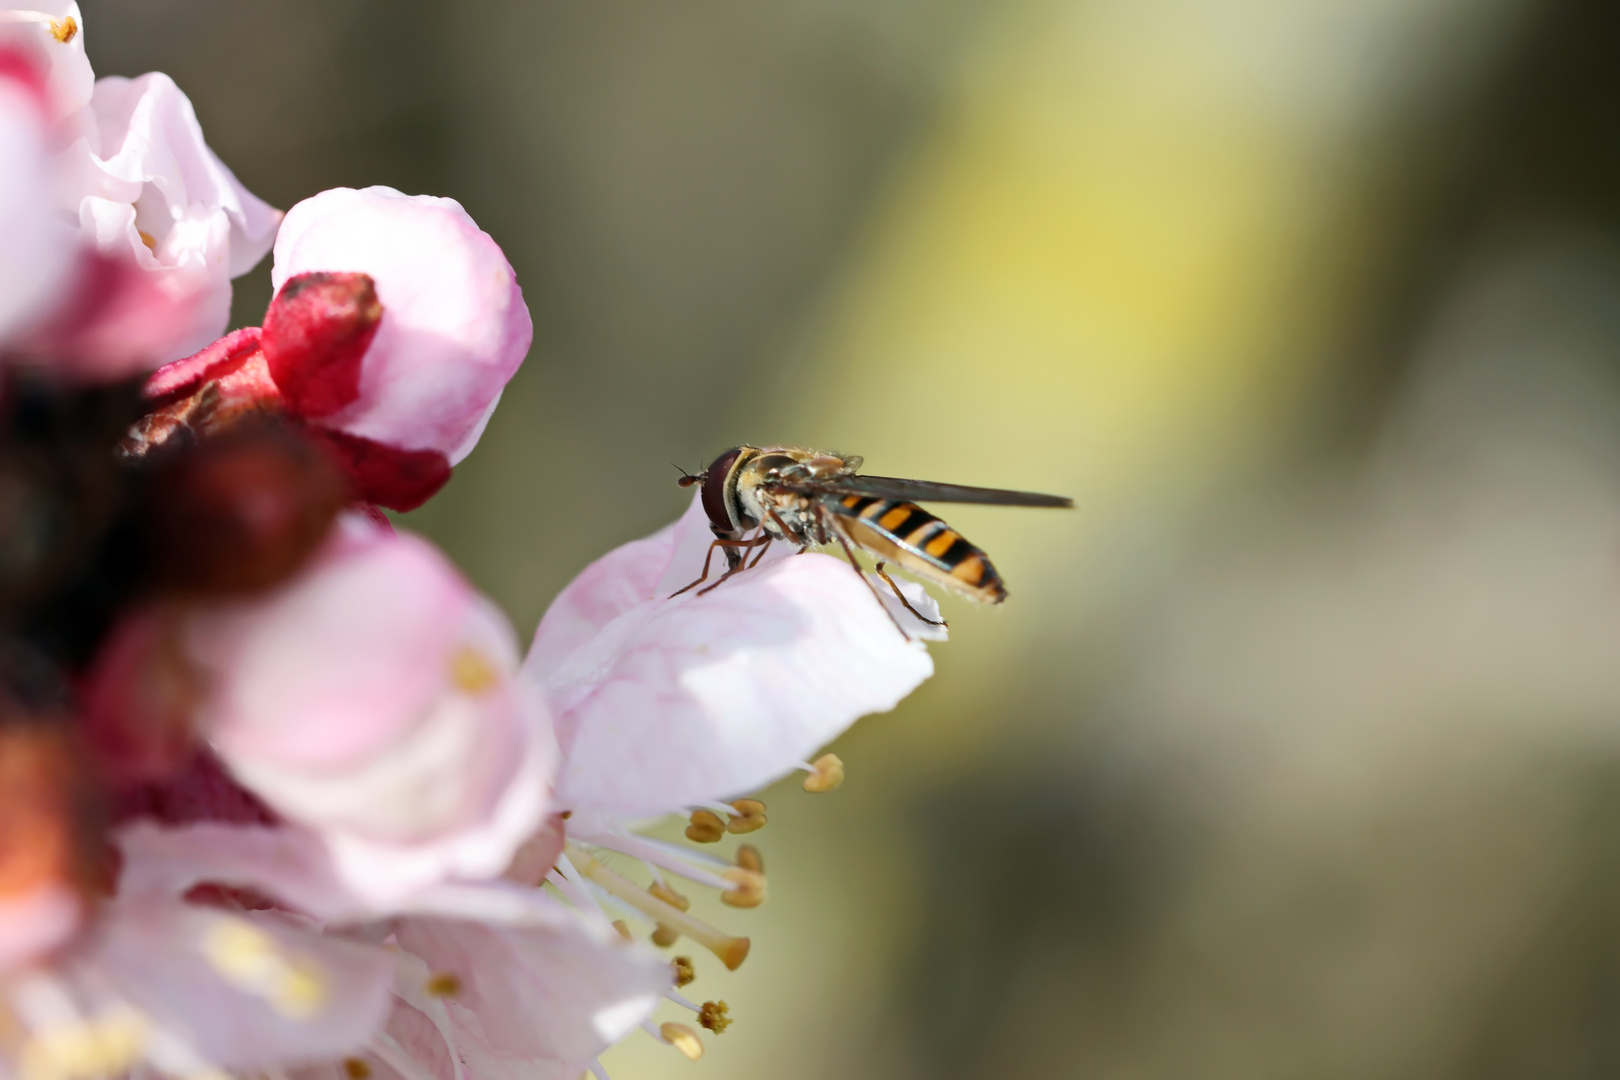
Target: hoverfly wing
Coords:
[[893, 487]]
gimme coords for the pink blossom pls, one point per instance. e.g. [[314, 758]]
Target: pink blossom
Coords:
[[506, 979], [38, 250], [145, 187], [663, 702], [52, 34], [373, 700], [527, 1001], [454, 325], [184, 989]]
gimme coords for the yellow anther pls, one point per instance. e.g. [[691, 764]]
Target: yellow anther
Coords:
[[664, 936], [750, 890], [669, 896], [623, 928], [750, 816], [356, 1068], [64, 29], [105, 1046], [715, 1016], [471, 672], [749, 858], [683, 1039], [443, 985], [255, 962], [828, 775], [732, 951], [684, 971], [705, 827], [149, 240]]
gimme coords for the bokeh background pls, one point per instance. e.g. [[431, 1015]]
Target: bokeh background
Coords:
[[1296, 752]]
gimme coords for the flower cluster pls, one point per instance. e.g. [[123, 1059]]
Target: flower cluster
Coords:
[[280, 793]]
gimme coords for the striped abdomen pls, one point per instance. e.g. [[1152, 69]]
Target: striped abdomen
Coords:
[[917, 541]]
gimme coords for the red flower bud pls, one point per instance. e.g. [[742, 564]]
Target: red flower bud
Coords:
[[316, 333]]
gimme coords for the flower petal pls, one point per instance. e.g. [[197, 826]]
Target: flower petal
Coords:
[[146, 186], [69, 79], [245, 990], [676, 701], [38, 250], [564, 994]]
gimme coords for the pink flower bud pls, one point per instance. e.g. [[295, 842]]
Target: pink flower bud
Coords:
[[454, 325]]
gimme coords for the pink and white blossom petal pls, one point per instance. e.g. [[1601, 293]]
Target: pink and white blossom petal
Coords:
[[683, 700], [41, 26], [560, 994], [39, 250], [454, 328], [293, 867], [145, 185], [244, 990]]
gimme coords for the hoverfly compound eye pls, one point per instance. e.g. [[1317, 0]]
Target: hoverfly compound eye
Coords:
[[715, 478]]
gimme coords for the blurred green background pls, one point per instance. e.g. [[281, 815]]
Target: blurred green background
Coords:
[[1294, 753]]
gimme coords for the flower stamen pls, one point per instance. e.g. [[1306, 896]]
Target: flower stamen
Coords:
[[63, 30], [664, 936], [715, 1016], [685, 974], [749, 816], [748, 889], [253, 961], [443, 984], [826, 774], [732, 951], [705, 827], [679, 1036]]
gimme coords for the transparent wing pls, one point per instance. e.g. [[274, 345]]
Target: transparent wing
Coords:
[[893, 487]]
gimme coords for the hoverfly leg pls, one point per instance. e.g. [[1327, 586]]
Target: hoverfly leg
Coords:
[[855, 566], [900, 596], [707, 559], [726, 546], [762, 540], [763, 548]]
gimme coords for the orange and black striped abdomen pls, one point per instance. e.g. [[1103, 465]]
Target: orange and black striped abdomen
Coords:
[[918, 542]]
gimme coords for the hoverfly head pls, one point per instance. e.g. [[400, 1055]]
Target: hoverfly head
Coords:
[[715, 480]]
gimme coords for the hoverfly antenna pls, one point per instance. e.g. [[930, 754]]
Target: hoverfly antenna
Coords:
[[687, 479]]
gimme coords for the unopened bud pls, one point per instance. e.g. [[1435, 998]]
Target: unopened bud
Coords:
[[705, 827]]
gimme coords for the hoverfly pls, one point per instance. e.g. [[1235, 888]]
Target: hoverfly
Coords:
[[807, 497]]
